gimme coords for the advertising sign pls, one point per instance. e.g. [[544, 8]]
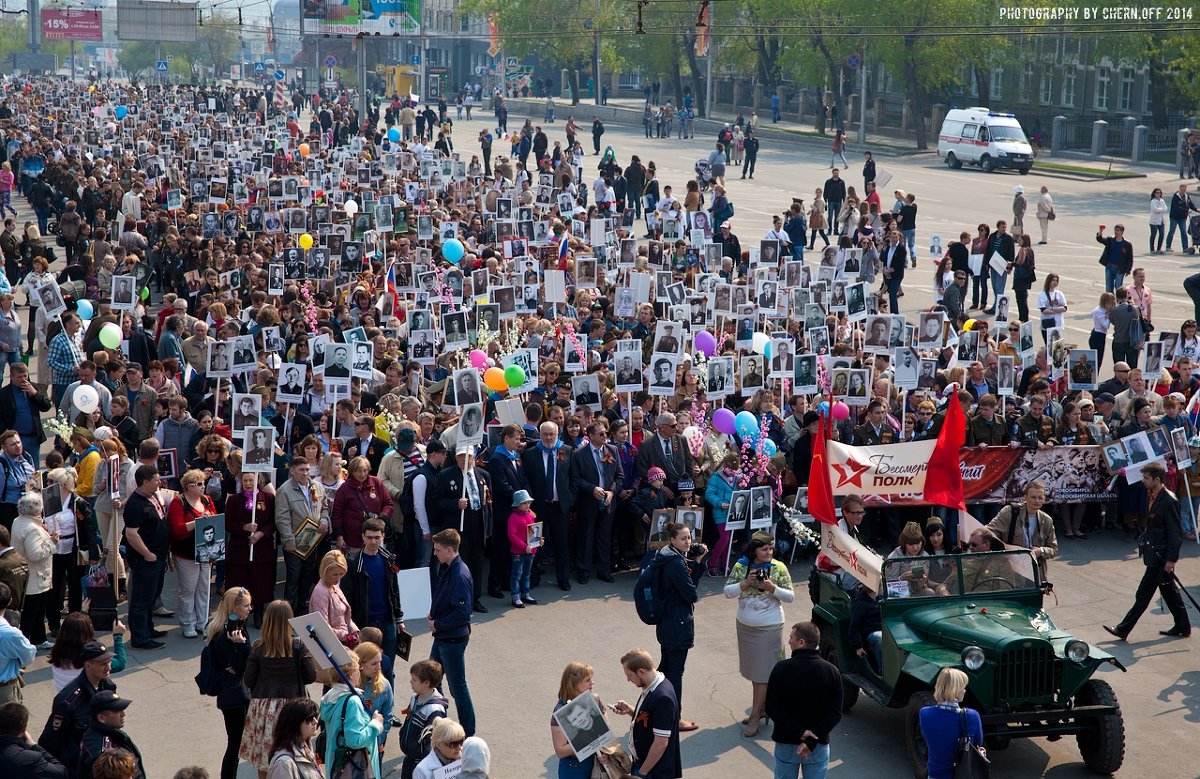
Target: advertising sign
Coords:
[[71, 25], [370, 17]]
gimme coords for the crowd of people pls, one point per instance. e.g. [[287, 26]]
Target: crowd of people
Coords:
[[340, 349]]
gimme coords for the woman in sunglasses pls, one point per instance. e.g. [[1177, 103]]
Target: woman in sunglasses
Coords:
[[446, 737], [292, 755]]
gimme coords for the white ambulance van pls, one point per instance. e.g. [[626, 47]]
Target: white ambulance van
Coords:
[[989, 139]]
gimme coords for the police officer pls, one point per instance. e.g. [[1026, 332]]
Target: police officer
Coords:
[[106, 730], [71, 712]]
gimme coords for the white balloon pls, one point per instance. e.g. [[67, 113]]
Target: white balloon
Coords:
[[86, 399], [350, 207]]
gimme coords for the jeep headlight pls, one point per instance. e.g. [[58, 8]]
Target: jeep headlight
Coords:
[[1078, 651], [973, 658]]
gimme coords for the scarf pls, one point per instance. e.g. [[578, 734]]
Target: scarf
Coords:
[[503, 450], [552, 449], [249, 500]]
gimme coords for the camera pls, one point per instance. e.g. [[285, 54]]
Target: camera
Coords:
[[695, 551], [761, 574]]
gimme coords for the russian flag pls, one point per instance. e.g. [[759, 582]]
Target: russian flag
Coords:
[[390, 287], [563, 246], [1193, 410]]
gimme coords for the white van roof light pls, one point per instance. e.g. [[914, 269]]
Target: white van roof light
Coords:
[[997, 113]]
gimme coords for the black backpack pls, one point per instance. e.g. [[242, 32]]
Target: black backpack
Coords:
[[647, 590], [209, 678]]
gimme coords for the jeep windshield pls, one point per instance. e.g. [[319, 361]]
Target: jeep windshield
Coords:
[[959, 574]]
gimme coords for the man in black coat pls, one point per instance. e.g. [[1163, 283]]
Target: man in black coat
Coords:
[[365, 443], [804, 702], [750, 146], [507, 476], [71, 712], [1159, 545], [293, 427], [548, 470], [1001, 243], [31, 431], [107, 731], [596, 474], [894, 257], [460, 502], [19, 755], [834, 193], [635, 183]]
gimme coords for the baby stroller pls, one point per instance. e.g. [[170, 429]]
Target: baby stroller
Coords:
[[1194, 233], [704, 175]]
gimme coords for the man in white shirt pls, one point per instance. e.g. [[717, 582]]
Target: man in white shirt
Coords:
[[131, 202]]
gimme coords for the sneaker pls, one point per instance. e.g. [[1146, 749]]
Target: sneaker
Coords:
[[517, 603], [190, 634], [529, 599], [45, 646], [163, 611]]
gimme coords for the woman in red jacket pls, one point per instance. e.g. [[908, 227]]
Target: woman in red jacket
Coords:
[[187, 510], [360, 496]]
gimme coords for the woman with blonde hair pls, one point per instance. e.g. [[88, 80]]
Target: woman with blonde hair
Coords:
[[942, 724], [346, 720], [226, 635], [576, 680], [376, 690], [329, 601], [446, 744], [278, 668], [193, 572]]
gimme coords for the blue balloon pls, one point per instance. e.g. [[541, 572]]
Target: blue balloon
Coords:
[[394, 134], [823, 408], [453, 251], [121, 111], [84, 309], [746, 424], [767, 350], [769, 447]]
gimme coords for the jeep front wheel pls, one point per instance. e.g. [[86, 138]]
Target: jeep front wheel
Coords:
[[918, 750], [829, 653], [1102, 745]]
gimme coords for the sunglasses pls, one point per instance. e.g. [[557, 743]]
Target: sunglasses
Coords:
[[456, 744]]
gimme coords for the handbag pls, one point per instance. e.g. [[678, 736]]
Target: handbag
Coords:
[[970, 762], [1052, 216], [349, 763]]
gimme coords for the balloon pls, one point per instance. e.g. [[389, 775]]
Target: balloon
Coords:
[[494, 378], [121, 111], [350, 207], [479, 359], [705, 343], [453, 251], [969, 324], [823, 408], [394, 134], [86, 399], [759, 342], [514, 375], [767, 350], [747, 424], [724, 421], [306, 241], [110, 336], [304, 150], [145, 293], [769, 447], [84, 309], [841, 411]]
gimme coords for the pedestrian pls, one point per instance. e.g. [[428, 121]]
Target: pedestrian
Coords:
[[597, 131], [348, 724], [839, 150], [817, 220], [907, 218], [371, 586], [292, 753], [834, 193], [446, 739], [20, 756], [1045, 214], [1100, 325], [804, 702], [750, 148], [1052, 303], [1001, 246], [944, 724], [654, 734], [1117, 257], [1019, 205], [1158, 217], [106, 734], [1181, 206], [775, 101], [449, 621], [1123, 315], [33, 543], [16, 653], [227, 636], [576, 680], [424, 708], [298, 499]]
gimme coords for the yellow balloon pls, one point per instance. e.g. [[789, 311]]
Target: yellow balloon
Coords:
[[970, 323], [304, 150], [494, 379], [306, 241]]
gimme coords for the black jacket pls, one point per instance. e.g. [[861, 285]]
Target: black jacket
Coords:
[[1162, 537], [101, 738], [38, 402], [804, 692], [19, 760], [230, 659], [357, 587], [69, 718], [834, 190], [302, 427], [676, 626], [1126, 250]]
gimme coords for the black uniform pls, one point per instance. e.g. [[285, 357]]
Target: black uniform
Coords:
[[100, 738], [69, 719], [476, 523], [1159, 543]]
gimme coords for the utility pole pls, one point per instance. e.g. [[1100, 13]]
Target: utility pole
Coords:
[[35, 25], [712, 50], [596, 54], [862, 97]]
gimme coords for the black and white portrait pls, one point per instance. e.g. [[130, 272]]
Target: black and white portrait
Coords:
[[586, 391], [124, 292], [259, 450], [291, 383]]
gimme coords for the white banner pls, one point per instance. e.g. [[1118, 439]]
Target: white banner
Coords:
[[879, 470], [852, 557]]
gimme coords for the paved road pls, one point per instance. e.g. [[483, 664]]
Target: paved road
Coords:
[[515, 657]]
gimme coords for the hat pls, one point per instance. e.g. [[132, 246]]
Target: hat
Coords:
[[911, 534], [810, 417], [94, 650], [83, 432], [1019, 190], [521, 497], [107, 700], [103, 433], [656, 473], [764, 536], [465, 449], [1105, 397], [476, 757], [406, 436], [133, 366]]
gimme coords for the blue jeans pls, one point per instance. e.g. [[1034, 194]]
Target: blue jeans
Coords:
[[452, 656], [833, 158], [789, 765], [798, 252], [145, 582], [910, 238], [388, 628], [7, 359], [893, 288], [1182, 225], [999, 282], [875, 643], [1156, 232], [518, 583], [1113, 277]]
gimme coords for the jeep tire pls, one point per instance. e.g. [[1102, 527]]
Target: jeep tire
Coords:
[[1102, 745], [829, 653], [918, 751]]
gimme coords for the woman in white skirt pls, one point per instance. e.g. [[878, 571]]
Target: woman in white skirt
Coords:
[[762, 585]]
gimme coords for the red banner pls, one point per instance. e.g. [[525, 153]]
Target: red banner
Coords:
[[1071, 474], [72, 25]]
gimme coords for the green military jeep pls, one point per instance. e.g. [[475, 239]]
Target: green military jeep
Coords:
[[981, 613]]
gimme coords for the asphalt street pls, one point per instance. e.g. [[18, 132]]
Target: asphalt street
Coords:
[[516, 657]]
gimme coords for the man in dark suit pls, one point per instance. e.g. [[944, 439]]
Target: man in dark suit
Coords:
[[668, 451], [595, 476], [508, 476], [1159, 543], [895, 257], [548, 471], [293, 427], [365, 443]]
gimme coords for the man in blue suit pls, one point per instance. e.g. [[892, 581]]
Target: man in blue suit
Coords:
[[507, 474], [548, 470], [595, 474]]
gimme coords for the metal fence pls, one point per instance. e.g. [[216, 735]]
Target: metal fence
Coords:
[[1118, 140], [1078, 136]]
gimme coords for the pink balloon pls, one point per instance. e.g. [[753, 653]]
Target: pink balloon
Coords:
[[841, 411], [724, 421], [705, 343], [479, 359]]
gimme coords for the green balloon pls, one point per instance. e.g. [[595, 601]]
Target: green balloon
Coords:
[[145, 293], [514, 375], [110, 336]]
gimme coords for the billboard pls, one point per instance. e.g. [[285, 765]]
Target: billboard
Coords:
[[71, 25], [369, 17], [147, 20]]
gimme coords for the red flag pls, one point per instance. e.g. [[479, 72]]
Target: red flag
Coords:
[[820, 491], [943, 481]]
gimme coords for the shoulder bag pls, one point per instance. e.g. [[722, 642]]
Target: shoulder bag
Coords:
[[349, 763], [970, 761]]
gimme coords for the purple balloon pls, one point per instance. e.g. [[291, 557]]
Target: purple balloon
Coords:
[[705, 343], [724, 421]]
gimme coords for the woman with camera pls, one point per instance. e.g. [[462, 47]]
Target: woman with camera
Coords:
[[762, 585], [680, 565], [226, 634]]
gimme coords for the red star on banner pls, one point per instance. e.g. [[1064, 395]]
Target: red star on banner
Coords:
[[851, 472]]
